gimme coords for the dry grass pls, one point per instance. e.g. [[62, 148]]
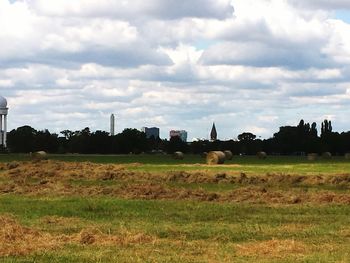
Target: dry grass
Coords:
[[263, 195], [17, 240], [95, 236], [193, 233], [57, 170], [273, 249], [57, 178]]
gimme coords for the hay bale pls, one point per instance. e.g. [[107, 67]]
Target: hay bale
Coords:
[[347, 156], [39, 155], [178, 155], [312, 156], [215, 157], [228, 155], [261, 155], [326, 155]]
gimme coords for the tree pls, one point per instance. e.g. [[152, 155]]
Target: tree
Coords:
[[79, 142], [246, 136], [67, 134], [45, 141], [286, 140], [313, 131], [131, 141], [326, 128], [100, 142], [21, 139], [26, 139], [176, 144]]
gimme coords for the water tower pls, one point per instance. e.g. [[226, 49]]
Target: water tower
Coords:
[[3, 121]]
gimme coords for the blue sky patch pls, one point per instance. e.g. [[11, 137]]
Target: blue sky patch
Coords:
[[343, 15], [204, 44]]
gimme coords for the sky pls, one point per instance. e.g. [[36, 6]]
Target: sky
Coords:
[[247, 65]]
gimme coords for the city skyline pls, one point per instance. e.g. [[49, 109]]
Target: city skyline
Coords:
[[250, 66]]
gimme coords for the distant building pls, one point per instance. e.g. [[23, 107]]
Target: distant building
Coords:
[[213, 133], [154, 131], [182, 134]]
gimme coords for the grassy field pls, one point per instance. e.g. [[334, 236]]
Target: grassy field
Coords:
[[82, 208], [251, 164]]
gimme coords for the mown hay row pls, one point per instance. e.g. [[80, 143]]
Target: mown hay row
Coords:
[[89, 236], [272, 248], [17, 240]]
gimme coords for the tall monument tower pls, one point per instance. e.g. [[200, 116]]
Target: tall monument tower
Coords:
[[112, 132], [3, 121]]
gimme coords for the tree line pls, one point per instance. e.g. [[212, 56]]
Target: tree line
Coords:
[[296, 140]]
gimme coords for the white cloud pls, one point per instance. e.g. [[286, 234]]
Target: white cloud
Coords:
[[170, 9], [322, 4], [177, 64], [29, 38]]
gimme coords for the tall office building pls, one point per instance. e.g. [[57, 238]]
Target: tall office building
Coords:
[[154, 131], [180, 133]]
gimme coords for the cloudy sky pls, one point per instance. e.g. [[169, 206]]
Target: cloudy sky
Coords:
[[248, 65]]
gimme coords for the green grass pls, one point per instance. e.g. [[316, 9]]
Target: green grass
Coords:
[[246, 164], [186, 230], [191, 222], [263, 168], [195, 220], [158, 159]]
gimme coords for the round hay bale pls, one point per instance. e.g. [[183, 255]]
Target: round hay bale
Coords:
[[39, 155], [347, 156], [178, 155], [204, 154], [326, 155], [261, 155], [312, 156], [228, 155], [215, 157]]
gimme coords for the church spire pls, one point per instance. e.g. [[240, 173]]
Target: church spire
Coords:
[[213, 133]]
